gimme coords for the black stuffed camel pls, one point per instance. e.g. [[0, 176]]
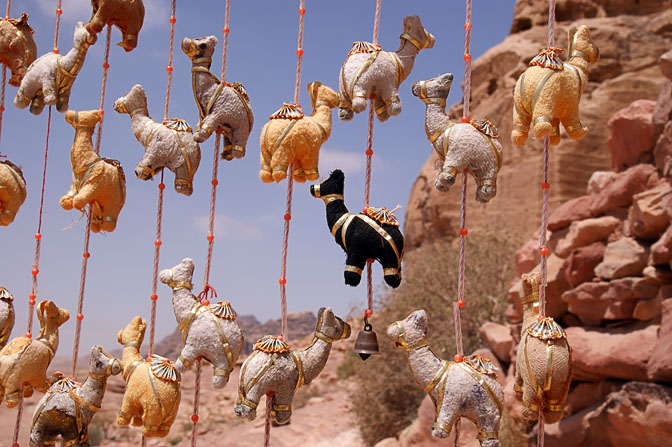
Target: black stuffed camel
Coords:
[[371, 235]]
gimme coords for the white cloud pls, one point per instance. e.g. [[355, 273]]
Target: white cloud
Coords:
[[229, 227], [156, 11], [350, 162]]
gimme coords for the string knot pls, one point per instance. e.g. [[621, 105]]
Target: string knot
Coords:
[[207, 293]]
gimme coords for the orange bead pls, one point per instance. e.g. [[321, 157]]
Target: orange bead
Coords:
[[157, 243], [106, 65], [2, 108], [80, 317], [32, 296], [16, 444], [540, 317], [162, 186], [210, 237], [369, 152], [467, 57], [59, 11], [461, 304], [86, 255], [172, 20], [34, 272], [372, 96], [467, 25], [31, 302], [154, 297], [282, 281], [364, 210], [225, 30], [194, 418], [288, 216], [169, 68], [102, 112], [465, 119], [546, 185], [205, 303], [544, 251], [28, 335], [463, 231], [299, 52], [38, 236], [55, 50], [214, 182], [368, 313], [458, 358], [302, 11]]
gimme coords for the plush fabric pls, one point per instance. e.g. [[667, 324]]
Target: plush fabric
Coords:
[[12, 191], [460, 146], [297, 140], [99, 182], [25, 360], [546, 95], [369, 71], [50, 78], [360, 239], [17, 47], [68, 407], [453, 387], [167, 145], [126, 15], [288, 370], [222, 108], [6, 316]]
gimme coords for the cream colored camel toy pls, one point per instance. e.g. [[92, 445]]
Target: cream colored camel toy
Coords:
[[544, 359], [68, 407], [126, 15], [12, 191], [548, 92], [274, 367], [97, 181], [290, 137], [208, 330], [222, 106], [152, 394], [50, 78], [370, 71], [25, 360], [6, 316], [17, 47], [460, 146], [465, 389], [167, 145]]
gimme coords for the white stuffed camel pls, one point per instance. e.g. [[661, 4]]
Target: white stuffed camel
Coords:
[[12, 191], [6, 316]]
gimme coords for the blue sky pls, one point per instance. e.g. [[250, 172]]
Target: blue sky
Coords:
[[249, 224]]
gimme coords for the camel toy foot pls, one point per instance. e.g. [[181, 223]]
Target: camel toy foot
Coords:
[[201, 135], [219, 381], [518, 137], [282, 417], [352, 278], [358, 104], [576, 132], [266, 176], [444, 181], [345, 114], [393, 280], [542, 129], [436, 433], [485, 193], [36, 106], [122, 420], [278, 176], [20, 101], [244, 411], [66, 202], [300, 178], [108, 226], [555, 140]]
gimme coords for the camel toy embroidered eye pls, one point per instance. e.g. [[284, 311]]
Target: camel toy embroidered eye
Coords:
[[126, 15], [17, 47], [370, 72], [12, 191]]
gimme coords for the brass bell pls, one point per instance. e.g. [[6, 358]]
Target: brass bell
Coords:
[[366, 344]]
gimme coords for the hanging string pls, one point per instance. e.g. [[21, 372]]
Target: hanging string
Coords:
[[57, 25], [197, 394], [9, 7]]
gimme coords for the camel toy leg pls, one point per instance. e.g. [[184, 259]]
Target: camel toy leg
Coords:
[[183, 184], [381, 109], [186, 358], [109, 223], [83, 197], [205, 129], [555, 135], [129, 410], [309, 163], [353, 269], [282, 407], [359, 99], [573, 125], [244, 411], [281, 160], [164, 428], [542, 119], [299, 173], [390, 99], [152, 420], [227, 147], [63, 102], [446, 178], [444, 422], [265, 174], [530, 403], [239, 141], [37, 105]]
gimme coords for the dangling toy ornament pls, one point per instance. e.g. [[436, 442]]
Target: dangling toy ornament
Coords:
[[17, 47], [208, 330], [544, 359], [460, 146], [126, 15], [370, 235], [50, 78], [12, 191], [167, 145], [222, 107], [152, 394], [548, 92], [6, 316], [370, 71], [290, 137], [68, 407], [274, 368], [24, 361], [458, 389]]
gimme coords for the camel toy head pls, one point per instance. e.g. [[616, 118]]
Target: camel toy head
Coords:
[[86, 119], [582, 45], [331, 326], [50, 315], [82, 37], [435, 90], [199, 49], [410, 331], [133, 102], [322, 95], [133, 333], [178, 276], [335, 184], [416, 34], [102, 364]]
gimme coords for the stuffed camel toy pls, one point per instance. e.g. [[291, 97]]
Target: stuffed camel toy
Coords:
[[25, 360], [468, 388], [370, 72], [274, 368], [152, 394], [50, 78], [6, 316], [290, 137], [167, 145], [12, 191], [17, 47], [99, 182], [460, 146], [222, 106], [374, 234], [68, 407], [208, 330], [544, 359], [548, 92], [126, 15]]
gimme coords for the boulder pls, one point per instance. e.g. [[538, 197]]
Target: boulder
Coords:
[[647, 310], [568, 212], [661, 274], [619, 192], [665, 64], [555, 286], [662, 153], [498, 338], [584, 395], [579, 266], [585, 232], [631, 134], [660, 363], [388, 442], [623, 257], [599, 180], [663, 110], [514, 309], [661, 250], [527, 256], [650, 212]]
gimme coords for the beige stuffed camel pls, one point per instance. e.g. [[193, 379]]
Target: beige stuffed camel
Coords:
[[544, 359], [127, 15], [6, 316], [152, 394], [97, 181], [17, 47], [548, 92], [25, 361], [12, 191], [465, 389], [294, 138], [370, 71]]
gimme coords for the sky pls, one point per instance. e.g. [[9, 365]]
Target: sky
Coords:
[[249, 214]]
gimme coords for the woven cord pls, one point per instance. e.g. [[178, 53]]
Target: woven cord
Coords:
[[197, 395], [2, 97], [169, 67], [9, 8]]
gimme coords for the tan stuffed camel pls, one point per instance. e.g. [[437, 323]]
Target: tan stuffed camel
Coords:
[[294, 138], [548, 92], [370, 71], [12, 191], [25, 361], [97, 181], [152, 394], [7, 315], [544, 359], [126, 15], [465, 389], [17, 47]]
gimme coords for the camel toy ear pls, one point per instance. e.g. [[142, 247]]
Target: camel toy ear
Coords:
[[40, 311], [119, 338]]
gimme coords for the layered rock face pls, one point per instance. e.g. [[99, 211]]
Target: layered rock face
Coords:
[[631, 37]]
